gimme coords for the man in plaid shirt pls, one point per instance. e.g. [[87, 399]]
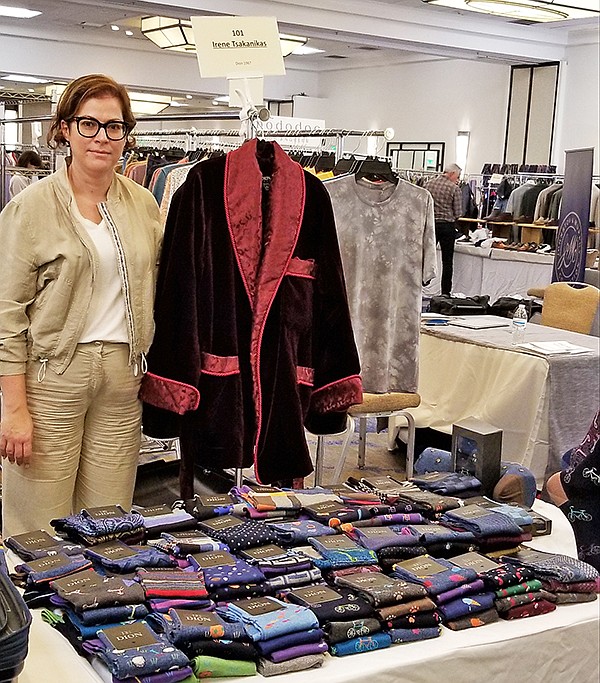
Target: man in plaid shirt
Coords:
[[447, 207]]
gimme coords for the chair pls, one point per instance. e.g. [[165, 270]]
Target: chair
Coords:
[[570, 306], [389, 405]]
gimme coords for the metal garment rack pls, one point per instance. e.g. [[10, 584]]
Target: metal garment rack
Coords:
[[340, 134]]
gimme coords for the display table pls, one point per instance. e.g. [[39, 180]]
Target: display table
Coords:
[[544, 405], [495, 272], [560, 646]]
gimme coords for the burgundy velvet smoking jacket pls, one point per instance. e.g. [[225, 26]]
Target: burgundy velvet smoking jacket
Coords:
[[253, 336]]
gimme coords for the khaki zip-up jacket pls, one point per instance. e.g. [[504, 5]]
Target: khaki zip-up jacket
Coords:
[[48, 265]]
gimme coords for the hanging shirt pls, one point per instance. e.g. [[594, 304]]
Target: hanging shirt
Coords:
[[387, 242]]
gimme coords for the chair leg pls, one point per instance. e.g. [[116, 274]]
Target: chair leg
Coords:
[[319, 457], [339, 468], [410, 444], [362, 442]]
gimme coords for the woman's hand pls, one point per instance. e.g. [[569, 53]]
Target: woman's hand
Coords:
[[16, 426]]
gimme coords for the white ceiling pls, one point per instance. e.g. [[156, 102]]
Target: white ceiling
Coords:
[[353, 33]]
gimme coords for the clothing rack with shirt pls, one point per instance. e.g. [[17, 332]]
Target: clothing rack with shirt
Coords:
[[53, 155], [386, 232]]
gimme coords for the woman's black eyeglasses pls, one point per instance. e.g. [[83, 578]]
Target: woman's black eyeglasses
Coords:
[[89, 127]]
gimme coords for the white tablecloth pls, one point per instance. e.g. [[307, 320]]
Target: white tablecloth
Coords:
[[543, 405], [555, 648], [494, 272]]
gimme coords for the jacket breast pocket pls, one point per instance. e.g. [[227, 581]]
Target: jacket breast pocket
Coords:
[[297, 294]]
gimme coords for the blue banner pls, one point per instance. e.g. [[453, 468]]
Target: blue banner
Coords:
[[572, 233]]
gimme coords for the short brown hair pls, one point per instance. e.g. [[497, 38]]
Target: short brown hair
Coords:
[[82, 89], [29, 157]]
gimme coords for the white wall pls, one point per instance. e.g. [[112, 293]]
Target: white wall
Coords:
[[578, 115], [429, 101]]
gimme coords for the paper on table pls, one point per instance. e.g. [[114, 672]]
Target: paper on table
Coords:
[[553, 347]]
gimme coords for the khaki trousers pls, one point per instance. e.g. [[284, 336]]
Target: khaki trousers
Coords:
[[86, 439]]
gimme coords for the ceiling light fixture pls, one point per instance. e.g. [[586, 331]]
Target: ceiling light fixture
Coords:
[[169, 34], [24, 79], [114, 27], [128, 33], [148, 103], [177, 35], [306, 50], [289, 44], [17, 12], [527, 10]]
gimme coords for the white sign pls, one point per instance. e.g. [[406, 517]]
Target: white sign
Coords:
[[237, 47]]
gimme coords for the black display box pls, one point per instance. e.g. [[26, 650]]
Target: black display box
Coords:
[[477, 450]]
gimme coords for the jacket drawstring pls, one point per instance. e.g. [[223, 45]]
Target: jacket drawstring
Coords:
[[142, 365], [42, 371]]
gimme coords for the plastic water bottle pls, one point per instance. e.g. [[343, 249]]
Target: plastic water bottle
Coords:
[[519, 323]]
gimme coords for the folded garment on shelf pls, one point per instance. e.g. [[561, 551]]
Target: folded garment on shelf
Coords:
[[377, 641], [52, 567], [265, 667], [205, 666], [436, 574], [300, 650], [330, 604], [181, 626], [96, 524], [468, 604], [481, 521], [37, 544], [172, 583], [90, 590], [268, 617], [183, 543], [238, 534], [136, 650], [531, 609], [553, 566], [298, 532], [312, 635], [380, 590], [224, 649], [473, 620], [411, 635], [221, 568], [116, 556]]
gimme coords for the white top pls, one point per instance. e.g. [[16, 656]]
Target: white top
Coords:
[[106, 314], [19, 182]]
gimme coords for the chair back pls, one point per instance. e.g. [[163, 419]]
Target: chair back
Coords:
[[570, 306]]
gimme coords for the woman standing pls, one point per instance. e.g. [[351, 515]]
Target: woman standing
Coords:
[[76, 318]]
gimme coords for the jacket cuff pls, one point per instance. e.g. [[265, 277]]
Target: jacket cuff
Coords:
[[337, 396]]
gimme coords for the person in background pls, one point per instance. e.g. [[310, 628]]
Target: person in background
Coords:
[[447, 208], [19, 181], [77, 288]]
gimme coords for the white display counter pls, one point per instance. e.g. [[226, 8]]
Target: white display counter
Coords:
[[555, 648]]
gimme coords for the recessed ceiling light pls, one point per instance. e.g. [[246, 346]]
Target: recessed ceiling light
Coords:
[[17, 12], [114, 27], [306, 50], [30, 90], [24, 79], [189, 97], [128, 33]]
